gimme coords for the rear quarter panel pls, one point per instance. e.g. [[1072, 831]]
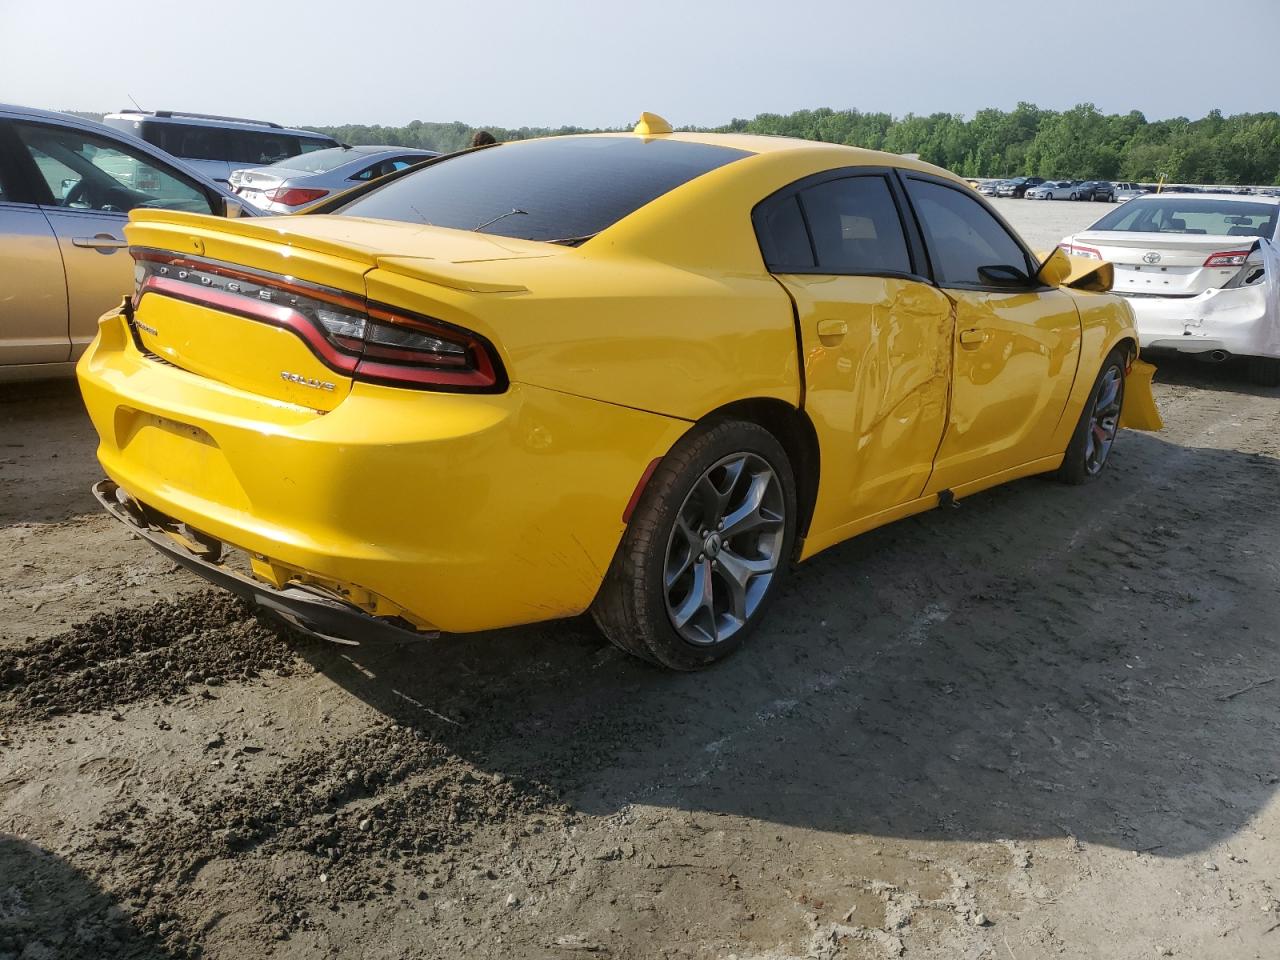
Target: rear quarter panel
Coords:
[[633, 333]]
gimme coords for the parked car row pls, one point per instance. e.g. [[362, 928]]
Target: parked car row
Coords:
[[67, 186], [1038, 188], [217, 145]]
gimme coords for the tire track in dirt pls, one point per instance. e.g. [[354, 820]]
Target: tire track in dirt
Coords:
[[141, 653], [342, 813]]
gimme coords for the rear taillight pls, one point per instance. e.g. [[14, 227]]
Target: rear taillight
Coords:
[[1076, 250], [363, 340], [294, 196], [1227, 258]]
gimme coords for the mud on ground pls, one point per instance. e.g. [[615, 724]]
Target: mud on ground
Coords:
[[1041, 725]]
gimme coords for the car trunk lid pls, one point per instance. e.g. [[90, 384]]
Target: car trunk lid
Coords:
[[1163, 264], [271, 306]]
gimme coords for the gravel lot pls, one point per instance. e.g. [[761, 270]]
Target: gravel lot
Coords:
[[1041, 725]]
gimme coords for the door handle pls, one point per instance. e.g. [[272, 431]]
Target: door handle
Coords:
[[972, 337], [103, 241], [831, 331]]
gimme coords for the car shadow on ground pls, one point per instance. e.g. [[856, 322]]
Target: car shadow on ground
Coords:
[[1230, 375], [49, 909], [1043, 661]]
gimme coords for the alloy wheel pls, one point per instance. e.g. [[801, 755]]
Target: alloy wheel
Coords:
[[724, 548], [1104, 420]]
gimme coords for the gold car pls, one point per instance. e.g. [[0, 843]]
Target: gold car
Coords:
[[66, 189], [632, 373]]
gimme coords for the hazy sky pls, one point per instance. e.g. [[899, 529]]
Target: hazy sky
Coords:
[[553, 62]]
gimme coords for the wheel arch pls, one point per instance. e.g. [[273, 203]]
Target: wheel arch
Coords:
[[793, 429]]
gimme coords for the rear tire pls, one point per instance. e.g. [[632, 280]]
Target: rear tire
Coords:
[[1095, 433], [1264, 371], [707, 546]]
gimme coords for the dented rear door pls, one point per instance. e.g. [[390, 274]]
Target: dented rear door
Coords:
[[875, 339]]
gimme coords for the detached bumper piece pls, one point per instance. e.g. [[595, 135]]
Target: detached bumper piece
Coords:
[[307, 610]]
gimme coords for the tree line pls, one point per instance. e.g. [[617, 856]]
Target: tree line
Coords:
[[1080, 143]]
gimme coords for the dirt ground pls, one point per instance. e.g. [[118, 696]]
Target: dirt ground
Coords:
[[1041, 725]]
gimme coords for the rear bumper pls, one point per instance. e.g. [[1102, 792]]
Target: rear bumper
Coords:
[[455, 512], [1235, 321], [322, 616]]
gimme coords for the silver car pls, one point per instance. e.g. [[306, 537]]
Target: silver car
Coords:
[[66, 188], [1053, 190], [1127, 190], [294, 183]]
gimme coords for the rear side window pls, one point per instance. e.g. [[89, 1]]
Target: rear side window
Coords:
[[188, 142], [855, 227], [962, 235], [308, 144], [784, 238], [562, 189], [261, 148]]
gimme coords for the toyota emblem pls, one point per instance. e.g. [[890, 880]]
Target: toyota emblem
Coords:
[[1151, 257]]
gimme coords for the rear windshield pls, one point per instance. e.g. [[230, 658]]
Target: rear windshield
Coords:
[[319, 161], [563, 189], [1179, 213]]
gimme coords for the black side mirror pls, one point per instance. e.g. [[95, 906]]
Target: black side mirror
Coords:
[[1003, 275]]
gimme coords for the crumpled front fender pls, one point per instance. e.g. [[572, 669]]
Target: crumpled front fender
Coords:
[[1139, 411]]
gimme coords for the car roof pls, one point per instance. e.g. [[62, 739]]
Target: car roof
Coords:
[[39, 114], [764, 145], [199, 120]]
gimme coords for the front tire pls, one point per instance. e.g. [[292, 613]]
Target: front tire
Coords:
[[1090, 446], [707, 546]]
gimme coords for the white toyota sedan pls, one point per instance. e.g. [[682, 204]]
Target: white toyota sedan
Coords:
[[1199, 271]]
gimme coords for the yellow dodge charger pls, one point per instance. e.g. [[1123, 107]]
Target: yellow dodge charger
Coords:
[[636, 374]]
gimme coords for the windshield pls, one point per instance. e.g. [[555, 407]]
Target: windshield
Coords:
[[1183, 214], [560, 189], [318, 161]]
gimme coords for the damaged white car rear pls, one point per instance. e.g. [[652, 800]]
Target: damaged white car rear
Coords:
[[1201, 272]]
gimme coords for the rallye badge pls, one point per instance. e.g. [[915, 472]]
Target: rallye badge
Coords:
[[302, 381]]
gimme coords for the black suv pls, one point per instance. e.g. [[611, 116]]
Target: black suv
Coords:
[[1096, 190], [1018, 186]]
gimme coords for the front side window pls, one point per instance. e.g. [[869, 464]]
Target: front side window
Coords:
[[87, 172], [564, 189], [855, 227], [962, 235]]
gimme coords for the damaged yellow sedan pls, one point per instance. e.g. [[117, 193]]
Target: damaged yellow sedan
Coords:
[[637, 374]]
